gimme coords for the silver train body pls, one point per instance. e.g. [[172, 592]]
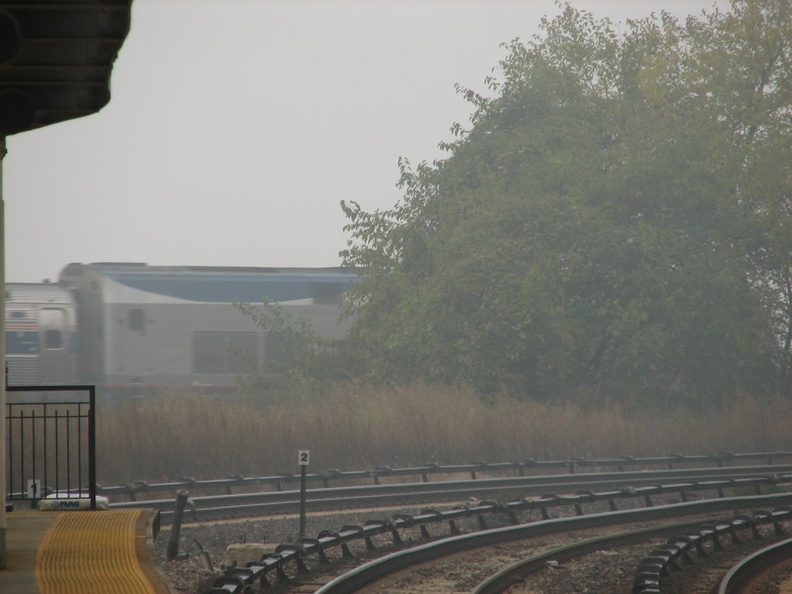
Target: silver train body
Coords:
[[42, 341], [121, 325]]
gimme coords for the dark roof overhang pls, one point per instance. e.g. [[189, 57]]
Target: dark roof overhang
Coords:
[[56, 57]]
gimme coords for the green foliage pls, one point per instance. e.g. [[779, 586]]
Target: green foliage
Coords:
[[297, 358], [613, 224]]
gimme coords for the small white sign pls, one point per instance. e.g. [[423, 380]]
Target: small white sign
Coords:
[[303, 457], [34, 489]]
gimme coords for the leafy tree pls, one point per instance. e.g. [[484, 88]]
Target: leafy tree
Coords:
[[298, 360], [613, 224]]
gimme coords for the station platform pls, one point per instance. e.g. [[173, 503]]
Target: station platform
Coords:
[[85, 552]]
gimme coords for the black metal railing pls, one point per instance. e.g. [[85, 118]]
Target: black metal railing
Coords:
[[51, 442]]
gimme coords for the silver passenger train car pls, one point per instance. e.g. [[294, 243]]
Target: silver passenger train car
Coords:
[[143, 325], [42, 345]]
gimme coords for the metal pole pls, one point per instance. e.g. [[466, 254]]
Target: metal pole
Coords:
[[303, 459], [173, 542], [92, 445], [303, 473], [3, 556]]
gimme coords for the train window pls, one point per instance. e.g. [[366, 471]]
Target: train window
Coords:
[[53, 324], [224, 352], [53, 340], [136, 320]]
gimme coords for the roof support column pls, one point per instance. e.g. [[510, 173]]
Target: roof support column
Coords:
[[3, 556]]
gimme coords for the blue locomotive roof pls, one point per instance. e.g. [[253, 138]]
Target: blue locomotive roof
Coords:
[[225, 285]]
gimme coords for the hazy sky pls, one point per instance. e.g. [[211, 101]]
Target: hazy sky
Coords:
[[236, 127]]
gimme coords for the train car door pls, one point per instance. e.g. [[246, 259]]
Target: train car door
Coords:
[[56, 363], [135, 341]]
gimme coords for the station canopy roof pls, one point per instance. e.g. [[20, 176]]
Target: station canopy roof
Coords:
[[56, 57]]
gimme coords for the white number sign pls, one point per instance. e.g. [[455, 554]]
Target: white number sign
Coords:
[[34, 489]]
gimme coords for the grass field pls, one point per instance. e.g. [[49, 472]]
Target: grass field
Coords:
[[165, 437]]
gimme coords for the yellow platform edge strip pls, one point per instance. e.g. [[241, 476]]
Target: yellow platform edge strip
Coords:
[[92, 552]]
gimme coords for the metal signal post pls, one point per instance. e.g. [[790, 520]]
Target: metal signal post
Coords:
[[303, 457]]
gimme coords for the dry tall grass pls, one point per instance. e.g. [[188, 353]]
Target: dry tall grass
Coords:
[[165, 437]]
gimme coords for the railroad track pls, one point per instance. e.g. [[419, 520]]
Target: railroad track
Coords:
[[681, 486], [747, 573], [373, 576], [135, 489], [581, 488]]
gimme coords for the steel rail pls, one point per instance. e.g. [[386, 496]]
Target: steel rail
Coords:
[[741, 574], [277, 481], [610, 486], [376, 570], [240, 577], [651, 571], [513, 574], [540, 504], [660, 561]]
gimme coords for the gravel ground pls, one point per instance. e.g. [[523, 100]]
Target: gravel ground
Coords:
[[188, 572], [605, 572], [189, 575]]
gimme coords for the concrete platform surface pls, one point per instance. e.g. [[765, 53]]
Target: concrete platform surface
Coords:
[[85, 552]]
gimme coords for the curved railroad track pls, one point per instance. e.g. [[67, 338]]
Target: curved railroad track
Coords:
[[747, 575], [559, 541], [461, 510]]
